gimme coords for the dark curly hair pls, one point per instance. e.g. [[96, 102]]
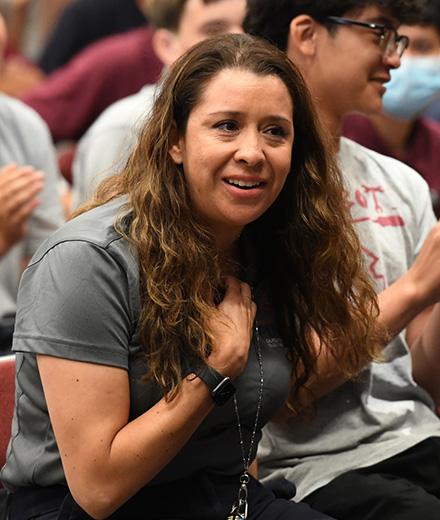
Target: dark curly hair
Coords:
[[270, 19]]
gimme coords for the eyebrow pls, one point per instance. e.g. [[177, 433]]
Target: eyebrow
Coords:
[[237, 113]]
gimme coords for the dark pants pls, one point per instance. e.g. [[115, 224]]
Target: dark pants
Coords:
[[404, 487], [198, 498]]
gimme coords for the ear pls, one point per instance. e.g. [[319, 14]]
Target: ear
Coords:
[[166, 46], [302, 41], [177, 146]]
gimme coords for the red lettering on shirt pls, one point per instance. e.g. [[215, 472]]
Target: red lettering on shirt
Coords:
[[372, 266], [392, 220], [374, 190], [369, 199], [361, 199]]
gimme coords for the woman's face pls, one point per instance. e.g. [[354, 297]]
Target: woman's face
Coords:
[[236, 150]]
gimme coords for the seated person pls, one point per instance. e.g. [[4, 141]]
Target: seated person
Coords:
[[30, 208], [400, 130], [369, 449], [82, 22], [176, 27], [73, 96], [168, 369]]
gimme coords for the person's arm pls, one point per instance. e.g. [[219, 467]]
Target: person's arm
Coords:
[[19, 190], [407, 303], [414, 306], [425, 351], [106, 458], [414, 292]]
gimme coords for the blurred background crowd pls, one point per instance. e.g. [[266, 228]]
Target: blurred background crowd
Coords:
[[70, 60]]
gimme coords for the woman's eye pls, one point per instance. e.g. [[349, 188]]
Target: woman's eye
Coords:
[[276, 131], [228, 126]]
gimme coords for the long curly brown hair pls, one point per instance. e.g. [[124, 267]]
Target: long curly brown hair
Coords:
[[308, 255]]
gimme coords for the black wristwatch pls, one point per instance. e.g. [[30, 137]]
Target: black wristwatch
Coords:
[[221, 387]]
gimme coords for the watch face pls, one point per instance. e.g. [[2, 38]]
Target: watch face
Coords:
[[223, 391]]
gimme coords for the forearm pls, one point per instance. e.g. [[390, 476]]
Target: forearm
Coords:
[[425, 353], [116, 471], [399, 305], [405, 305]]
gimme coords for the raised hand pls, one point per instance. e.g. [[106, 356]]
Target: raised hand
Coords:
[[231, 326], [423, 278], [19, 189]]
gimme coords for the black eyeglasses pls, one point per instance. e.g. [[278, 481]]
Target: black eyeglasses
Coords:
[[390, 41]]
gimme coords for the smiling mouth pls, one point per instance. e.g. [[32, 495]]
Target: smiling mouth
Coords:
[[243, 185], [381, 80]]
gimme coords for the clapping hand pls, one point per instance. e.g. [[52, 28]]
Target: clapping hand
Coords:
[[19, 189]]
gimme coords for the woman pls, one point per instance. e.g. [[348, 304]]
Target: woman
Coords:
[[147, 374]]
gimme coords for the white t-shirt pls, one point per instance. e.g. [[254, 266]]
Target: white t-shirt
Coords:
[[105, 147], [383, 412]]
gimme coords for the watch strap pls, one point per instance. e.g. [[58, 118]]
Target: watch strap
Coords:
[[220, 386]]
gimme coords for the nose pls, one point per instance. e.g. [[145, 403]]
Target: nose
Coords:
[[392, 60], [250, 150]]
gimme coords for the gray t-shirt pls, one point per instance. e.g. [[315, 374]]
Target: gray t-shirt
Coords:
[[105, 147], [79, 299], [383, 412], [25, 140]]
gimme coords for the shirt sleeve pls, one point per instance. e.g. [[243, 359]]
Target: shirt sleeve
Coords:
[[425, 218], [74, 303], [99, 155]]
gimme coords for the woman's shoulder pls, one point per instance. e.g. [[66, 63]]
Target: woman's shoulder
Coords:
[[94, 229]]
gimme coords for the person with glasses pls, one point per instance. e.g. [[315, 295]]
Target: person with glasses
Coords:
[[366, 448], [402, 130], [390, 41]]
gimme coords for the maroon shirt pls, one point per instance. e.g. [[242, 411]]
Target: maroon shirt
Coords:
[[422, 151], [71, 98]]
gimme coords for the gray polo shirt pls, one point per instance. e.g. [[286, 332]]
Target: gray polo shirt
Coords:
[[79, 300]]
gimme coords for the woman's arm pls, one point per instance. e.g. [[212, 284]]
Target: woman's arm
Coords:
[[107, 459]]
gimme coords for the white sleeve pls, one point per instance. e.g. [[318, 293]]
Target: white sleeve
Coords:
[[99, 155], [49, 215]]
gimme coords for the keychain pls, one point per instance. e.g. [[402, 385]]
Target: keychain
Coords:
[[240, 508]]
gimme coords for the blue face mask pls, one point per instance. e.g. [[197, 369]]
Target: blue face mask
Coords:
[[412, 87]]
